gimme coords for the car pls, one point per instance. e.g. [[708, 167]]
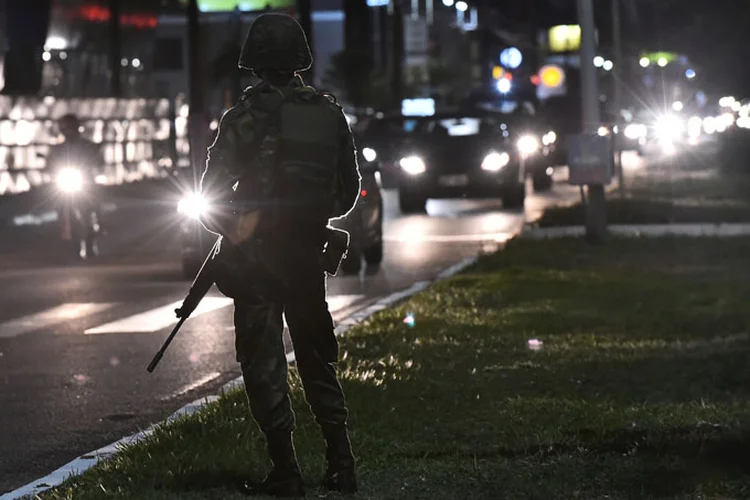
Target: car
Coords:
[[383, 134], [477, 154], [364, 223]]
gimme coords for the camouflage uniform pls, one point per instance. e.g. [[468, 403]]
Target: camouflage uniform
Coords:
[[283, 274]]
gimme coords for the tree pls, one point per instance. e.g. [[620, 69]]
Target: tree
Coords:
[[27, 25], [350, 73]]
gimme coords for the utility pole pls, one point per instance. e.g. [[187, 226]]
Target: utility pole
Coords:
[[115, 41], [397, 69], [617, 74], [596, 220], [197, 121]]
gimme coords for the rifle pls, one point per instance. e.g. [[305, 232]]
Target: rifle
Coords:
[[200, 287]]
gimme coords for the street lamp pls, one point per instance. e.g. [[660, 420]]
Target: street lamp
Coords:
[[644, 62], [448, 3], [462, 6]]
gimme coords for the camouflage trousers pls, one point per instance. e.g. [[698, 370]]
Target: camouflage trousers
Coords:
[[262, 355]]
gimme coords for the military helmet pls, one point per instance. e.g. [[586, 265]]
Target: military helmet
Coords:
[[276, 42]]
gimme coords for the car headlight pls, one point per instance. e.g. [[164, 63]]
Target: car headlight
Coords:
[[528, 144], [69, 180], [192, 206], [369, 154], [635, 131], [669, 127], [695, 126], [413, 165], [495, 161], [549, 138]]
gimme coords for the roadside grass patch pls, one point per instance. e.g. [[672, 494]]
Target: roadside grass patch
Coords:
[[669, 192], [640, 388]]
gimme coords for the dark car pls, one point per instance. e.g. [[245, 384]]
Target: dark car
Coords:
[[473, 155], [364, 223]]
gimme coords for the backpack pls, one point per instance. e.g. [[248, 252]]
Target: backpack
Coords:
[[295, 155]]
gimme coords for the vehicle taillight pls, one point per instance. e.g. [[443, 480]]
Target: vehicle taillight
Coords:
[[364, 193]]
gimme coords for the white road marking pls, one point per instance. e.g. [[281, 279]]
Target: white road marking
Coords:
[[338, 302], [157, 319], [160, 318], [50, 317], [195, 385]]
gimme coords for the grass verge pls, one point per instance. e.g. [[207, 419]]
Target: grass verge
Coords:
[[639, 390], [683, 191]]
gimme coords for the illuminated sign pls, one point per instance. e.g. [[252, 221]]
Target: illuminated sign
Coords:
[[551, 76], [565, 38], [418, 107], [97, 14], [660, 58], [243, 5]]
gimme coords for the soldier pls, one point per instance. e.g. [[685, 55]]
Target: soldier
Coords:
[[285, 156]]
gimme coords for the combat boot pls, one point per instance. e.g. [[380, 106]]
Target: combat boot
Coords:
[[340, 475], [285, 479]]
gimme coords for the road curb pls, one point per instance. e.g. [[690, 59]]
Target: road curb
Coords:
[[723, 230], [84, 462]]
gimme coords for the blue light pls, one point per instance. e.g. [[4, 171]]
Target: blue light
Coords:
[[690, 74], [511, 58]]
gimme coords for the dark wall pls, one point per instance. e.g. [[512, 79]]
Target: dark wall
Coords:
[[27, 25]]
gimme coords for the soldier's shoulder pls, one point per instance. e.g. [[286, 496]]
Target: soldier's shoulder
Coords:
[[308, 91], [236, 112]]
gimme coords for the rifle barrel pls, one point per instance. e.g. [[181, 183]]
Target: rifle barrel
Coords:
[[157, 358]]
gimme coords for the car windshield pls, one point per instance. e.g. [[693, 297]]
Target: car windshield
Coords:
[[384, 128], [467, 126]]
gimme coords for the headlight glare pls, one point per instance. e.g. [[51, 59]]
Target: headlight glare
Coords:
[[369, 154], [635, 131], [528, 144], [669, 127], [69, 180], [495, 161], [413, 165], [193, 206], [549, 138]]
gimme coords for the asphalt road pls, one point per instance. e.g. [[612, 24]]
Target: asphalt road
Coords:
[[75, 339]]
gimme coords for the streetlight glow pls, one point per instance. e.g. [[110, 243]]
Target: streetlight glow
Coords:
[[462, 6]]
